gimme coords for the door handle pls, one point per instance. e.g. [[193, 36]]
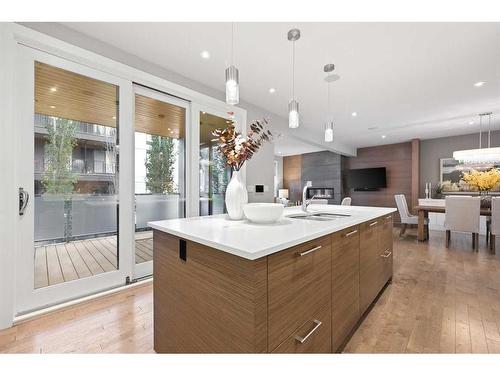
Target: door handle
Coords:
[[351, 233], [302, 340], [386, 254], [310, 251], [24, 198], [372, 224]]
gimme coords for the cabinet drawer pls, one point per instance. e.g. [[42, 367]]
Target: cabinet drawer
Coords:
[[314, 336], [386, 233], [386, 248], [345, 284], [370, 263], [299, 284]]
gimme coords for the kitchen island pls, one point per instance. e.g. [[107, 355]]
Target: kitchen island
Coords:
[[299, 285]]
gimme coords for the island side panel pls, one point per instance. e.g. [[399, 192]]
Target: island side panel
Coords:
[[213, 302]]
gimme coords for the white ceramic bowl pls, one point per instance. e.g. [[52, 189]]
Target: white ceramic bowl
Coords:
[[263, 213]]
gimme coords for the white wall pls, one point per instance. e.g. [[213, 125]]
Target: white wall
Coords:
[[259, 169], [8, 193], [279, 159]]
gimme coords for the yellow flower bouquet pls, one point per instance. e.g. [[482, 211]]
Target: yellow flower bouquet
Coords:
[[483, 181]]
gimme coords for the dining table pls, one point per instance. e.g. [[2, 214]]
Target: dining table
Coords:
[[423, 213]]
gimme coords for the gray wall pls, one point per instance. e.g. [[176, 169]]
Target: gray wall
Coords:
[[259, 169], [323, 169], [431, 150]]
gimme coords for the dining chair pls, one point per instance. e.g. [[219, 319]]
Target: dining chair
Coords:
[[494, 225], [406, 217], [346, 201], [462, 215]]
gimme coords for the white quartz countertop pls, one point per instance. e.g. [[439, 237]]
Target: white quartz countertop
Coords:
[[253, 241]]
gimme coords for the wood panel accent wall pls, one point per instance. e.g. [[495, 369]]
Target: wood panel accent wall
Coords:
[[397, 159], [292, 174]]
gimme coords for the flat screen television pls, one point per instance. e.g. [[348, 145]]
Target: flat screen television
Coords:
[[366, 179]]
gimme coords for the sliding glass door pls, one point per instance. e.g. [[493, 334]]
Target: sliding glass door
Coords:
[[97, 158], [69, 181], [214, 173], [159, 167]]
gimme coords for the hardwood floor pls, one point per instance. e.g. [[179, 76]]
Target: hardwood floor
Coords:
[[441, 301], [120, 323], [58, 263]]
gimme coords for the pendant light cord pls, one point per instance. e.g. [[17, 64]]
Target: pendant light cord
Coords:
[[293, 70], [489, 130], [329, 105], [232, 42], [480, 130]]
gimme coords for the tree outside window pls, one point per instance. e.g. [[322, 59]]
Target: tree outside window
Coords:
[[161, 157]]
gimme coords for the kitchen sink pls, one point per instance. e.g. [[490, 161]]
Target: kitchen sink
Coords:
[[318, 216]]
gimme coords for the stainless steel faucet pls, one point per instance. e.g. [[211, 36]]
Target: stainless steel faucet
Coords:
[[306, 202]]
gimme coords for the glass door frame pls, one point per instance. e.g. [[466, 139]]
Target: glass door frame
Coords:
[[240, 119], [27, 297], [146, 268]]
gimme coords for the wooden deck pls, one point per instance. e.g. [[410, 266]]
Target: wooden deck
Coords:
[[55, 264]]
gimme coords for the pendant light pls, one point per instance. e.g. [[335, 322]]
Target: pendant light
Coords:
[[232, 77], [328, 68], [480, 155], [293, 106]]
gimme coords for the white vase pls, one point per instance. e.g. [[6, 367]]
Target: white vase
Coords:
[[236, 197]]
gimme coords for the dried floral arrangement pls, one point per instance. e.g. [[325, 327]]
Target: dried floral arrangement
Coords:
[[236, 148], [483, 181]]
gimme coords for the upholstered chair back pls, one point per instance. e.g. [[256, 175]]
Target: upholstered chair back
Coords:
[[346, 201], [404, 213], [495, 216], [462, 214]]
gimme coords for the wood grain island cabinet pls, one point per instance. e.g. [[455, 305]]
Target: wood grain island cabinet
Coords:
[[305, 299]]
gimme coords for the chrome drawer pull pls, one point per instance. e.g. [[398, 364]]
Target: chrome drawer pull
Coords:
[[386, 254], [310, 251], [351, 233], [388, 217], [303, 339], [374, 223]]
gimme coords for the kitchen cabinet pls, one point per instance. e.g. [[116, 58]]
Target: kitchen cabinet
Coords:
[[305, 298], [314, 336], [386, 249], [370, 263], [299, 284], [345, 284]]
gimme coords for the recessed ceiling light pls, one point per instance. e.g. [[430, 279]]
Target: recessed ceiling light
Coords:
[[205, 54], [354, 114], [52, 106], [479, 84], [471, 122], [272, 90], [171, 132], [53, 89], [383, 137], [114, 117]]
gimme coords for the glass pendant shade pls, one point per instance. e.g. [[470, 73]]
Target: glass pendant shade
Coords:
[[329, 131], [293, 114], [232, 85], [478, 155]]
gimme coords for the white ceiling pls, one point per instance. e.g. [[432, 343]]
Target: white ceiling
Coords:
[[405, 80]]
